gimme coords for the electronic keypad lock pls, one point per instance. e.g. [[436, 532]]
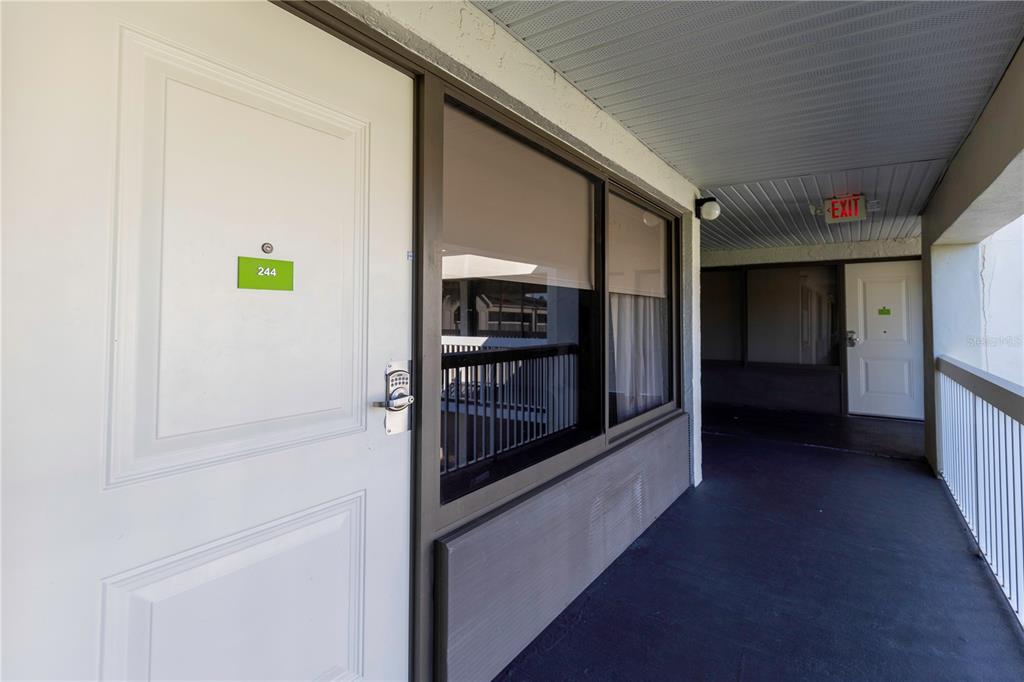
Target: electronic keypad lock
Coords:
[[397, 399]]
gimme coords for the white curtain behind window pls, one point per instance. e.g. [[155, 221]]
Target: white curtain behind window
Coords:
[[639, 330]]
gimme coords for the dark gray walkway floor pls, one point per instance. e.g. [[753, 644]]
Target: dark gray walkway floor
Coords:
[[790, 563], [873, 435]]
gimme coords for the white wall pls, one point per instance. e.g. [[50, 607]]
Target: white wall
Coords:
[[464, 41], [1001, 341], [955, 282]]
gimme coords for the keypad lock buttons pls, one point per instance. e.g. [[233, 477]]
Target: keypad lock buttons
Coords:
[[397, 397]]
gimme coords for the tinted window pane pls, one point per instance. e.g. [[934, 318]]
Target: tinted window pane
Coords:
[[639, 349], [518, 309], [791, 315], [721, 315]]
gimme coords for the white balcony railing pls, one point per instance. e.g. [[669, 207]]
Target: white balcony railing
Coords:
[[981, 460]]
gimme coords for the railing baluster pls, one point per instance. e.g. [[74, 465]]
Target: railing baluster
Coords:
[[444, 421], [500, 399], [470, 422], [573, 392], [494, 403], [528, 375], [569, 420], [982, 445], [1019, 483], [564, 394], [1014, 529], [504, 406], [458, 417], [562, 419], [517, 422], [477, 413], [1004, 518]]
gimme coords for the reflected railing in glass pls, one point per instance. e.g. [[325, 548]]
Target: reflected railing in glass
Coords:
[[496, 400]]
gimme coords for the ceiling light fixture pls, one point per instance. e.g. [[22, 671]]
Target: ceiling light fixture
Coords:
[[708, 208]]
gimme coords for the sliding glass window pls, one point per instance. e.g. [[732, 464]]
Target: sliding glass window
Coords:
[[771, 315], [520, 310], [791, 315], [639, 313]]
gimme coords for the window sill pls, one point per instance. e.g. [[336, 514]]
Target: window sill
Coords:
[[485, 501], [642, 423]]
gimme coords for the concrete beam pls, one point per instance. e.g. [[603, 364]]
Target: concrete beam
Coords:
[[997, 206], [996, 140], [995, 143]]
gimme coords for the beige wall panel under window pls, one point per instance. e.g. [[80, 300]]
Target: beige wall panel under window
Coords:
[[511, 212]]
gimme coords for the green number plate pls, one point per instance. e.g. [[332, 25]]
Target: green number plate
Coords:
[[266, 273], [885, 311]]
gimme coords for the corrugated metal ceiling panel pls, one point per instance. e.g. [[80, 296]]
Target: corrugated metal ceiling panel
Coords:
[[777, 212], [748, 98]]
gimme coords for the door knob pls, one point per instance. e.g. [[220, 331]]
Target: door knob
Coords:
[[852, 339]]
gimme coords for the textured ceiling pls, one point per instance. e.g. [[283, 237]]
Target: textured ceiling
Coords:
[[772, 105]]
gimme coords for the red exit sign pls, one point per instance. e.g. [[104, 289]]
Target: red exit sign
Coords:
[[845, 209]]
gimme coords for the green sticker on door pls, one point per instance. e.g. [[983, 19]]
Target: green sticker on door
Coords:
[[266, 273], [884, 311]]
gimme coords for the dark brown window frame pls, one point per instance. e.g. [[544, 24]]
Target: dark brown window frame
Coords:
[[464, 509], [478, 505]]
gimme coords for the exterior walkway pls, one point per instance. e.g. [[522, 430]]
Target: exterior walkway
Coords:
[[901, 438], [790, 563]]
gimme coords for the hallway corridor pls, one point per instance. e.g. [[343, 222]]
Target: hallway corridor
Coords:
[[790, 563]]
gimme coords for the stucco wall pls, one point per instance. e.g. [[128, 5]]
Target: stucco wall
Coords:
[[955, 281], [1001, 341], [464, 41], [893, 248], [990, 158]]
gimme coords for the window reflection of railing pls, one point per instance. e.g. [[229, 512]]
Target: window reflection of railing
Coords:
[[495, 400]]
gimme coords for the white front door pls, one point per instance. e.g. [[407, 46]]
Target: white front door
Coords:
[[195, 483], [884, 357]]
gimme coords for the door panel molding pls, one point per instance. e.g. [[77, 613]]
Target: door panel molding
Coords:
[[146, 385], [139, 604]]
